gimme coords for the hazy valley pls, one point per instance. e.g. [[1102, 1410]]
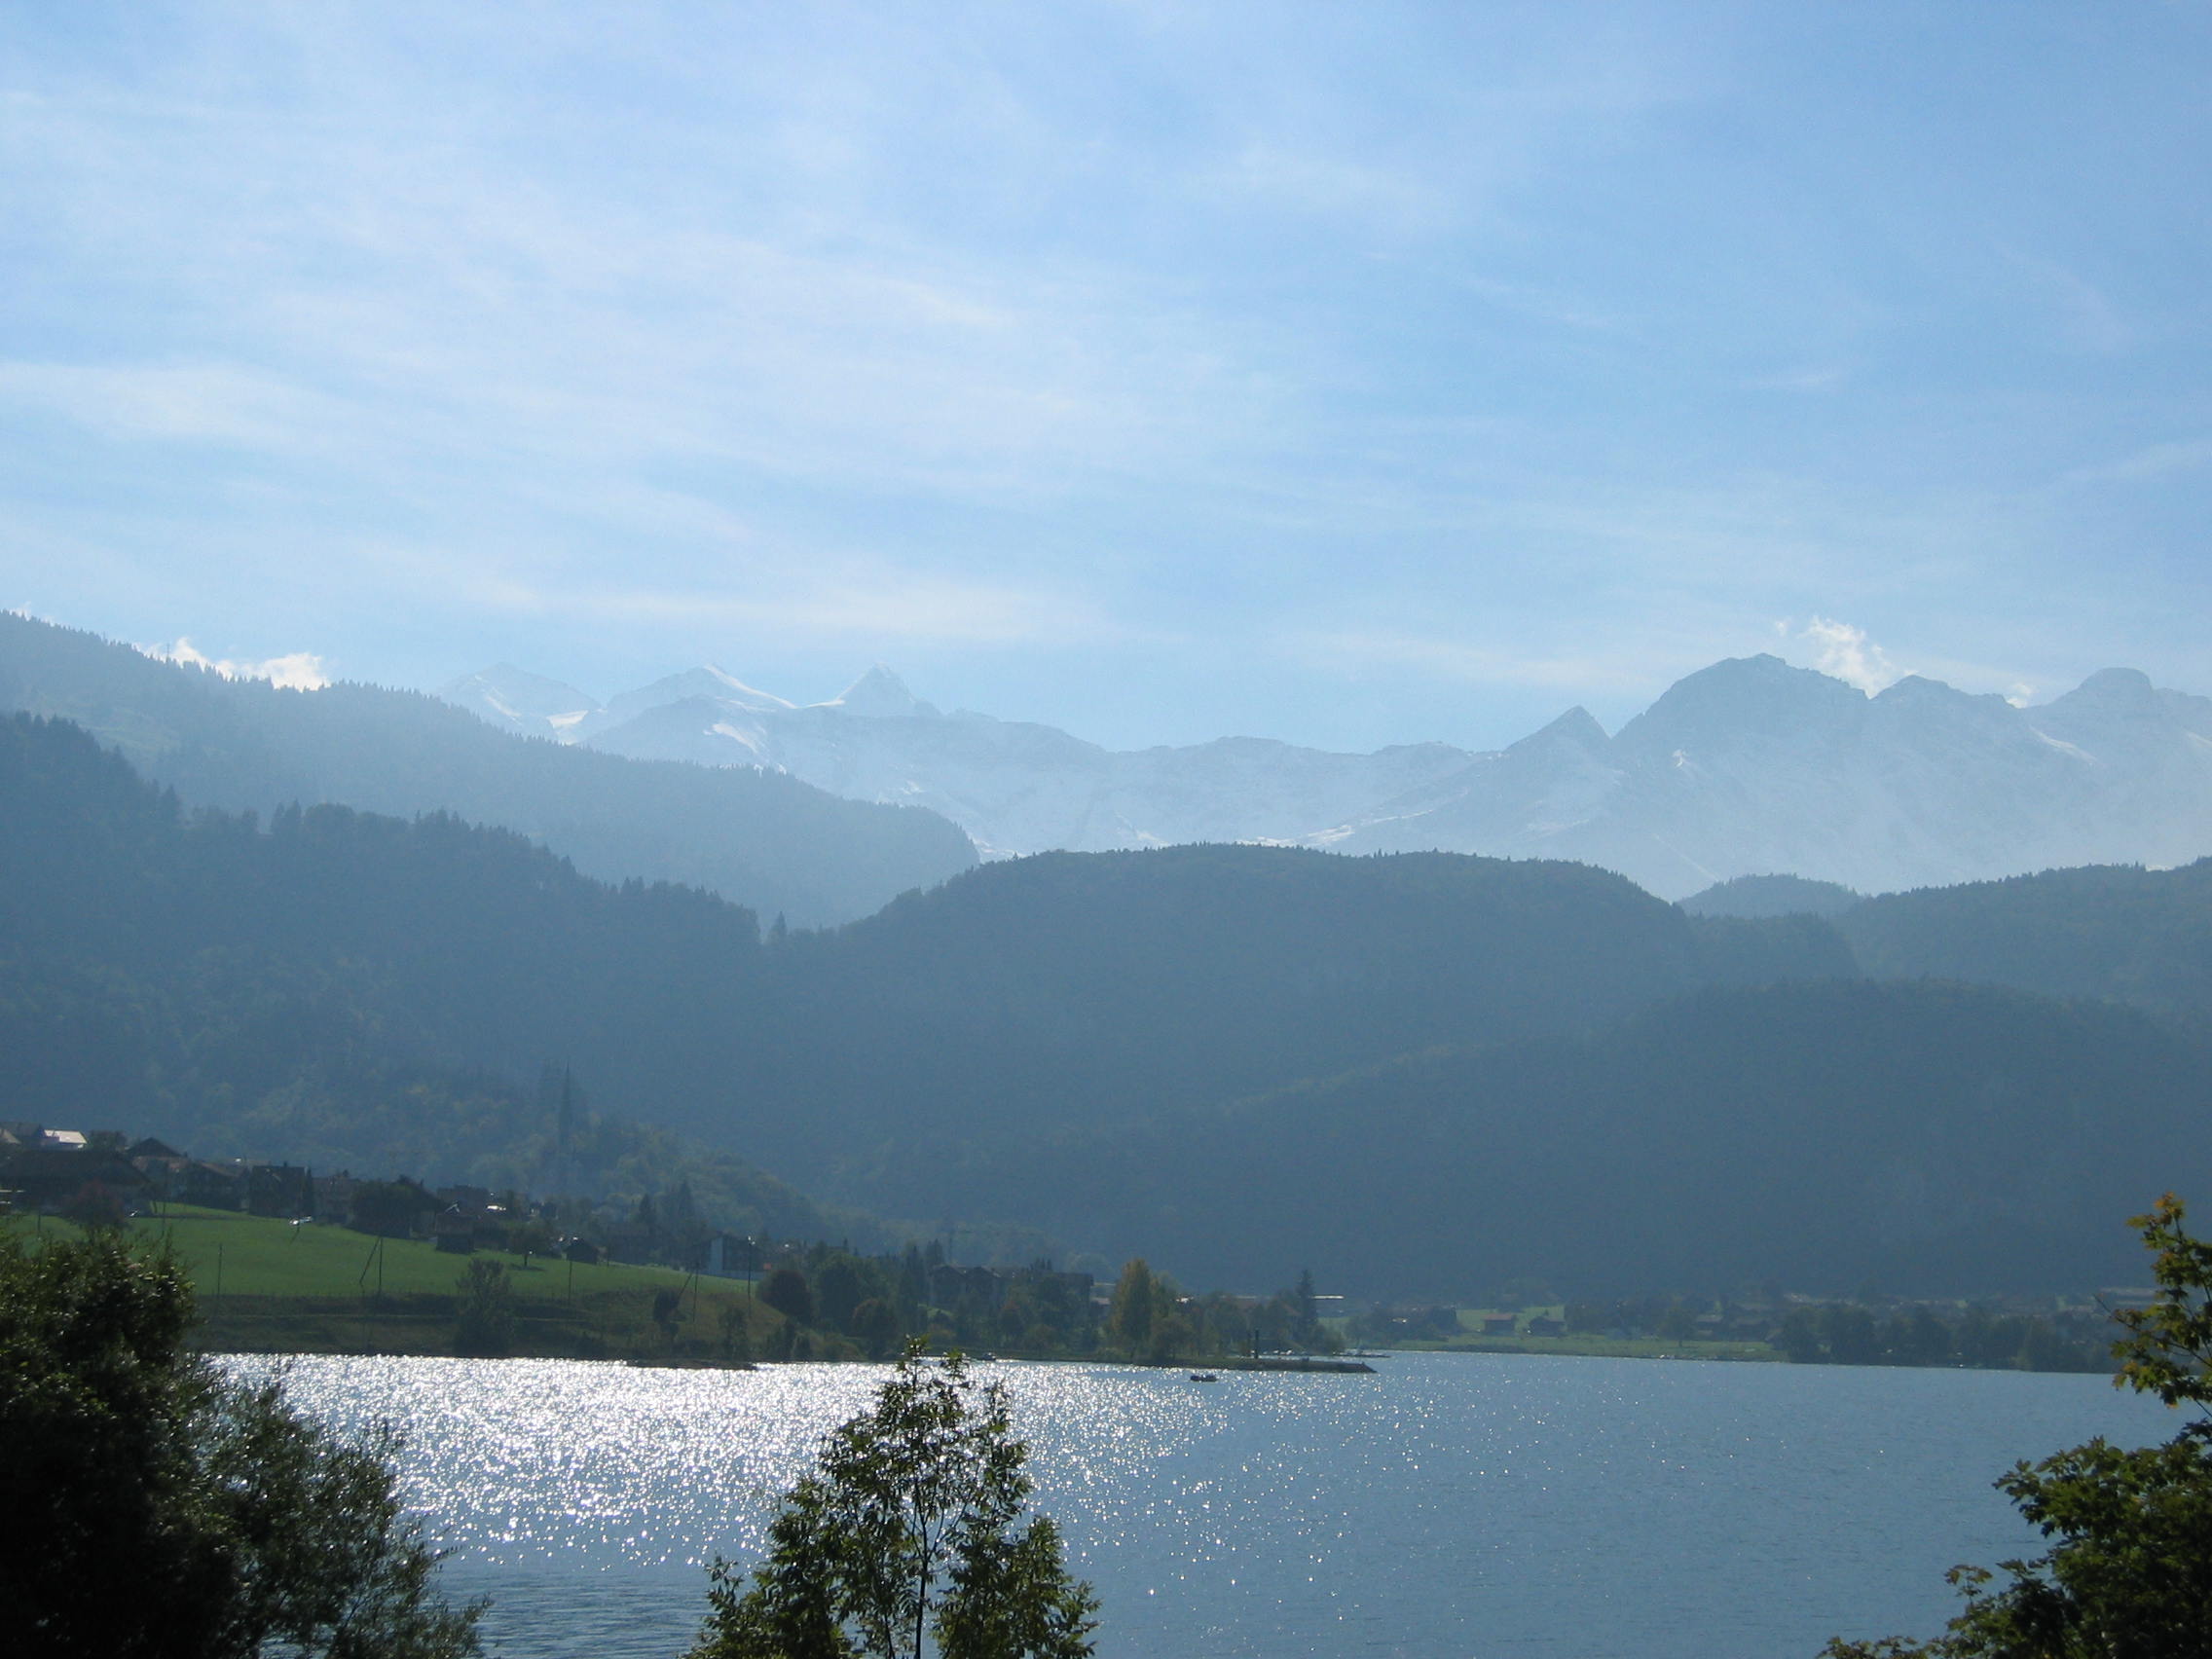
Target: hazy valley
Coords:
[[1427, 1072]]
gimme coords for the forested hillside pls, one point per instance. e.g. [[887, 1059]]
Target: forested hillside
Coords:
[[1755, 896], [2117, 931], [1426, 1071], [1833, 1137], [338, 990], [1065, 988], [758, 838], [1077, 988]]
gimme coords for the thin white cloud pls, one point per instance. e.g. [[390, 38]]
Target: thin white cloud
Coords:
[[2152, 462], [2090, 321], [1328, 187], [1845, 652], [854, 599], [1807, 381], [296, 671], [453, 304], [1079, 323], [917, 608], [204, 402]]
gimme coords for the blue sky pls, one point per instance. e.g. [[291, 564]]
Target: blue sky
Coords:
[[1345, 374]]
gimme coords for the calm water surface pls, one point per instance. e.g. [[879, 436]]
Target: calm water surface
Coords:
[[1449, 1506]]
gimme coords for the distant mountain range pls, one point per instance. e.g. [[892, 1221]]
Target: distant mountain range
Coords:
[[1417, 1073], [767, 841], [1745, 768], [1014, 785]]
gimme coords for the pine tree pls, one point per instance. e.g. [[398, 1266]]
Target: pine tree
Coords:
[[1129, 1320]]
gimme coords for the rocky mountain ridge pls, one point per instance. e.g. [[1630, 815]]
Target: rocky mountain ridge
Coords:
[[1748, 768]]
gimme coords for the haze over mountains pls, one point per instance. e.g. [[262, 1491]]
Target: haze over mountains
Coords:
[[1420, 1073], [760, 838], [1748, 767], [1016, 787]]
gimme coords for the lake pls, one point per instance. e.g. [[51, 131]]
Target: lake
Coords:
[[1448, 1506]]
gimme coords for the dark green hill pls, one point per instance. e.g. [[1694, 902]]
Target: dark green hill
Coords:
[[2114, 931], [758, 838], [340, 989], [1754, 898], [1063, 989], [1837, 1137], [443, 942], [1534, 1068], [1074, 988]]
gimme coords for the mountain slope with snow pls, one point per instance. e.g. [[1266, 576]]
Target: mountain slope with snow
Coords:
[[1748, 767], [1752, 766], [1014, 785]]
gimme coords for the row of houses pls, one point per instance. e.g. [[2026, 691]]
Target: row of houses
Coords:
[[50, 1169]]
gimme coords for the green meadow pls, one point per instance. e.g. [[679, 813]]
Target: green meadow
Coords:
[[270, 1287]]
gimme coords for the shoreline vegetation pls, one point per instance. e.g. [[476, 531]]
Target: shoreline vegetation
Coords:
[[270, 1287]]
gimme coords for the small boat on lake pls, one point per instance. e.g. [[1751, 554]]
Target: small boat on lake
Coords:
[[1204, 1377]]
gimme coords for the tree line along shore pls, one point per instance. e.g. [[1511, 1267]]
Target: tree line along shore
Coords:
[[288, 1285]]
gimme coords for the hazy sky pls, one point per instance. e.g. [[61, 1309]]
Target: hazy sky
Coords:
[[1349, 373]]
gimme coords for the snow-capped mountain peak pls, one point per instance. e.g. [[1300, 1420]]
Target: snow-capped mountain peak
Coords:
[[518, 700], [707, 681], [1749, 766]]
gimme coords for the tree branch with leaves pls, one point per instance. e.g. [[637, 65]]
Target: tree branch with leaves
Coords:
[[908, 1531], [2130, 1571]]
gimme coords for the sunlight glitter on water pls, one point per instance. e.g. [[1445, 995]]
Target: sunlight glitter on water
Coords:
[[1448, 1506]]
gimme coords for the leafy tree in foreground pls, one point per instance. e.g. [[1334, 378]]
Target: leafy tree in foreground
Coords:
[[2129, 1575], [156, 1508], [905, 1533]]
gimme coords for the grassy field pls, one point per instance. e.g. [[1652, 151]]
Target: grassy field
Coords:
[[270, 1286]]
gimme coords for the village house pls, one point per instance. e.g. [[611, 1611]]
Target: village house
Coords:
[[46, 1168]]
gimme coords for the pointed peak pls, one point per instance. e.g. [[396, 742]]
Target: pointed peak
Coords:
[[882, 695], [1577, 726]]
